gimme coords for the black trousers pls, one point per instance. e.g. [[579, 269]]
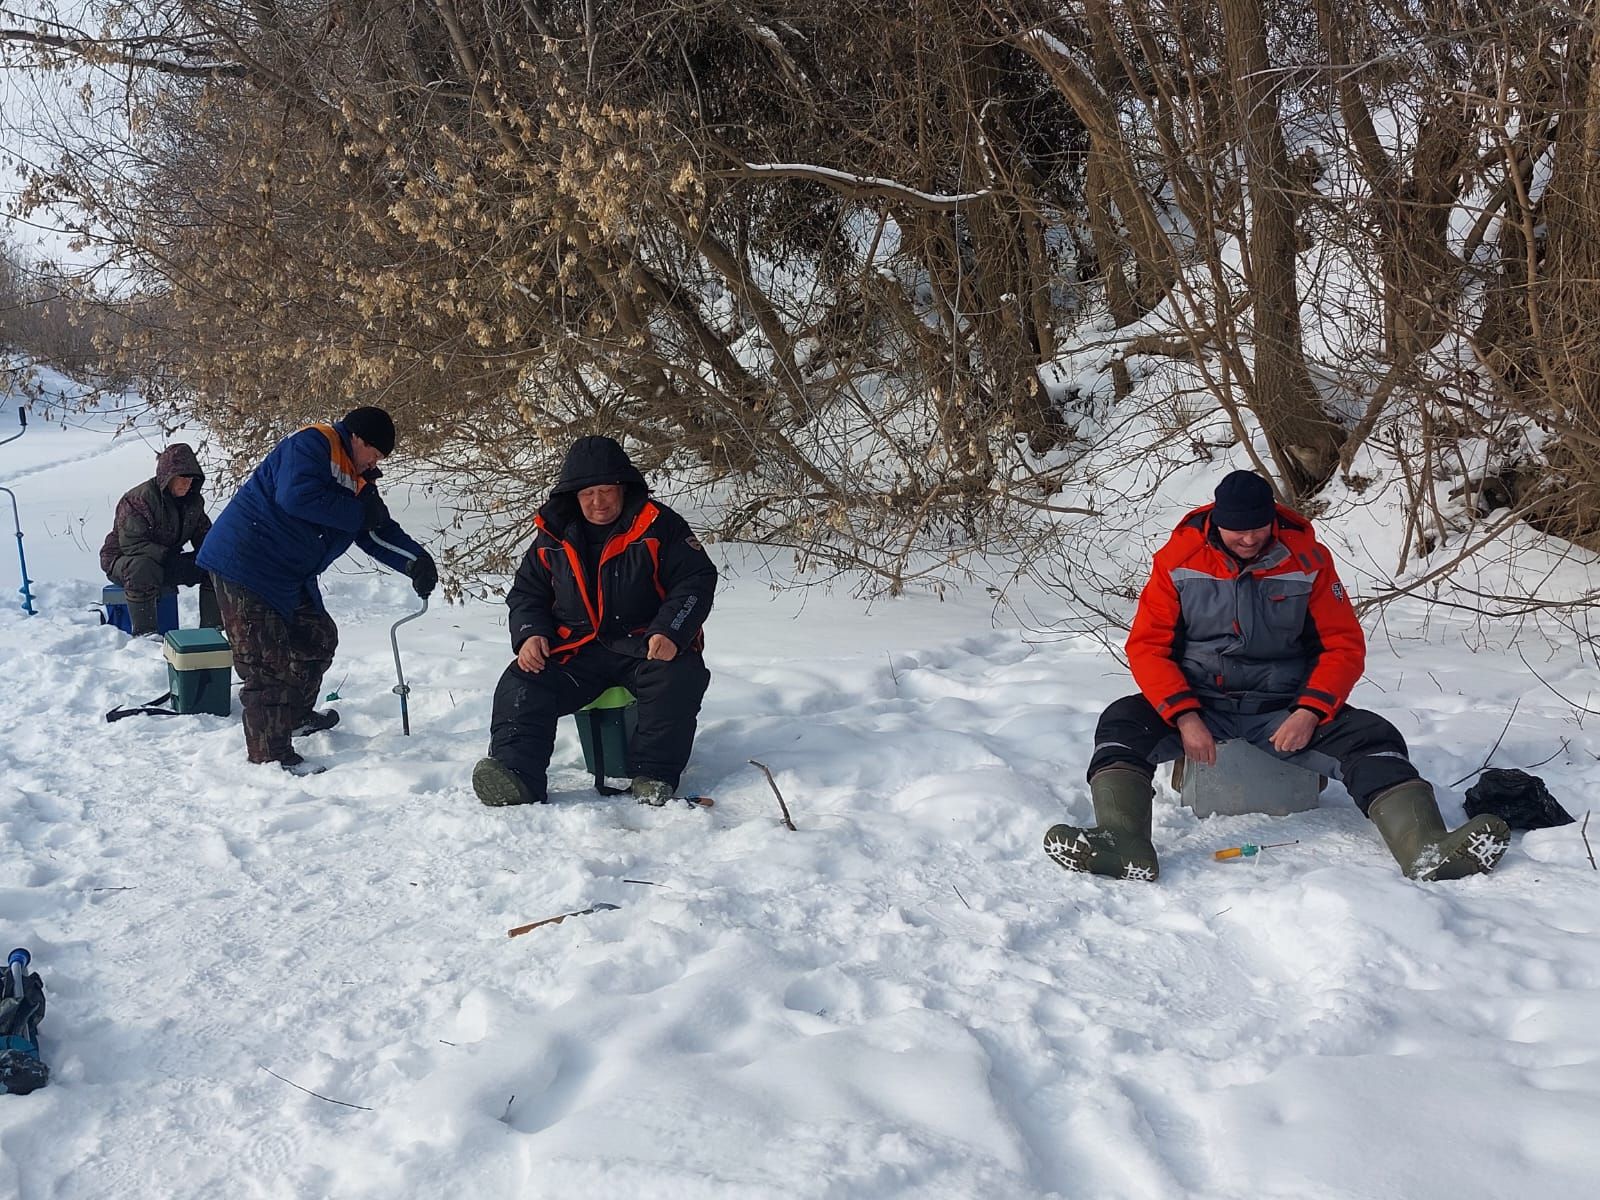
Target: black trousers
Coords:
[[522, 729], [1359, 748]]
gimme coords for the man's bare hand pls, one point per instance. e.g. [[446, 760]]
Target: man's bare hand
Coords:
[[1198, 744], [661, 648], [1294, 733], [533, 654]]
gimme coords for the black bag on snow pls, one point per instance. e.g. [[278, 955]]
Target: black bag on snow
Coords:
[[1517, 798]]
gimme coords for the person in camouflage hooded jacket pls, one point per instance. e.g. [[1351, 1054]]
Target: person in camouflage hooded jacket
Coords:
[[154, 521]]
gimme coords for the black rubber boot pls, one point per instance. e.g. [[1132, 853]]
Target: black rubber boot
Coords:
[[142, 617], [295, 765], [210, 613], [1118, 844], [1408, 818], [316, 722], [498, 786]]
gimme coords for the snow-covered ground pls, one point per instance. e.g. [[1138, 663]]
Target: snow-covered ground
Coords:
[[903, 999]]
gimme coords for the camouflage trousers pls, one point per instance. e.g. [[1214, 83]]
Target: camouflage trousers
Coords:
[[143, 577], [281, 661]]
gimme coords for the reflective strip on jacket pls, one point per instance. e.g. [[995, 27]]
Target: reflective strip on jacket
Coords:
[[296, 514], [653, 577], [1276, 632]]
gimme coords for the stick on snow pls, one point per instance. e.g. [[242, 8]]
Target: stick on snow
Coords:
[[787, 820], [522, 929], [309, 1092]]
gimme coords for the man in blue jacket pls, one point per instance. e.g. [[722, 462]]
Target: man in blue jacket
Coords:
[[613, 591], [312, 497]]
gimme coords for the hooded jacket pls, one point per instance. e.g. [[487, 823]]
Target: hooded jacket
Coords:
[[151, 522], [1273, 633], [653, 576], [294, 516]]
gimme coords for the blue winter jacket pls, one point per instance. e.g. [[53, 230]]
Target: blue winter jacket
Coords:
[[297, 513]]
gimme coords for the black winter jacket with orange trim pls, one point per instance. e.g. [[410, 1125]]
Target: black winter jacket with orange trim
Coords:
[[654, 577]]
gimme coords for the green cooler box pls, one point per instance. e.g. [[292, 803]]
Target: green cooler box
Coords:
[[200, 671]]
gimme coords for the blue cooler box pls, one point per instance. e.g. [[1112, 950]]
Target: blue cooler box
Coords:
[[200, 671]]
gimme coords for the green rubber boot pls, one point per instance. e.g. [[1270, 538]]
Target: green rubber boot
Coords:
[[1408, 818], [651, 791], [142, 617], [1118, 845]]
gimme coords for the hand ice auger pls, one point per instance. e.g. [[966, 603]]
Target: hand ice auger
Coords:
[[401, 688], [16, 520]]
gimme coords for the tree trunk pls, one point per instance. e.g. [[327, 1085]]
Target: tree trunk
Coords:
[[1304, 441]]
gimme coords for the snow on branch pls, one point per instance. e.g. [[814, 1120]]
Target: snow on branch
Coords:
[[768, 37], [1074, 74], [861, 185]]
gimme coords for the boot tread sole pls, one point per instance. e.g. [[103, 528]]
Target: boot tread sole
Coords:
[[1487, 840], [496, 786], [1100, 852]]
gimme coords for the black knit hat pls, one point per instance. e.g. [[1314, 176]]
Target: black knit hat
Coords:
[[1244, 501], [373, 426]]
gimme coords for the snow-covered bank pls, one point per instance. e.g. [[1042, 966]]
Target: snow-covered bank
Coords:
[[905, 998]]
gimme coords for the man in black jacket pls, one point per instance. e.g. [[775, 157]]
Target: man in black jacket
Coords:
[[613, 591]]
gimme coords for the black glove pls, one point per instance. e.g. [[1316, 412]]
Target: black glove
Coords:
[[373, 512], [424, 575]]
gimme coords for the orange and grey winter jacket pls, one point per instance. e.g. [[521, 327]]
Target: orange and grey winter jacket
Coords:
[[1276, 632], [652, 575]]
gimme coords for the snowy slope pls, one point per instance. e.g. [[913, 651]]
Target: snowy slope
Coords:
[[903, 999]]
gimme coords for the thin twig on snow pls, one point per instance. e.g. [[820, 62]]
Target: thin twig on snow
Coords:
[[1494, 747], [309, 1092], [787, 820]]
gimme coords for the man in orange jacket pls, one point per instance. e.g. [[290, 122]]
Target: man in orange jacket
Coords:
[[1244, 631]]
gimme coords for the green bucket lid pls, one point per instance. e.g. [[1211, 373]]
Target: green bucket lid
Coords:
[[616, 697], [192, 641]]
